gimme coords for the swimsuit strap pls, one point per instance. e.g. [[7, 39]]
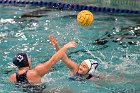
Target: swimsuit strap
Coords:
[[89, 76], [22, 78]]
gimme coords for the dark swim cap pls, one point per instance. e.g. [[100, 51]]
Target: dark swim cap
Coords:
[[21, 60]]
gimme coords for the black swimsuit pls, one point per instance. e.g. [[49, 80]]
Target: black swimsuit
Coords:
[[79, 77], [22, 78], [22, 82]]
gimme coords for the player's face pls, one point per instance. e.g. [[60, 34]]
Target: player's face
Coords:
[[83, 68]]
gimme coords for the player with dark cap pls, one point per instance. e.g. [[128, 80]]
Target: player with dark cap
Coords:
[[33, 76]]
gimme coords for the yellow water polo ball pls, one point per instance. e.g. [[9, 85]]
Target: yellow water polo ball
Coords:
[[85, 18]]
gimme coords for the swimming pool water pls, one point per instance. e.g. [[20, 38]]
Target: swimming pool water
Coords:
[[119, 59]]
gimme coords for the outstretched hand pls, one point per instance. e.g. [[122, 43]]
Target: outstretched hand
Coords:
[[70, 44], [53, 40]]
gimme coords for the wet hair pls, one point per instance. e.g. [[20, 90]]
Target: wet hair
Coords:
[[21, 60]]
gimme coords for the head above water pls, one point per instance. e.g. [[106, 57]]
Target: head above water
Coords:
[[88, 66], [21, 60], [92, 64]]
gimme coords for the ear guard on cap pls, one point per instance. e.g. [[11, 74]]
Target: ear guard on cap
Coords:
[[94, 65]]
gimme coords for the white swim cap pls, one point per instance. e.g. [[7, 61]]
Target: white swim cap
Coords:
[[92, 64]]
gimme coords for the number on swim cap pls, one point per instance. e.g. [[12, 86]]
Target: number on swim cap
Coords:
[[19, 58]]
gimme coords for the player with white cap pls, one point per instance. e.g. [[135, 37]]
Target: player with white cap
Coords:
[[86, 70]]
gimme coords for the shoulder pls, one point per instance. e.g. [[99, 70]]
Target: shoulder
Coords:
[[95, 78], [73, 73], [33, 77], [12, 77], [32, 73]]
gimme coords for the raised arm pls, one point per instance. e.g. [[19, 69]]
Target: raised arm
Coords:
[[73, 66], [43, 68]]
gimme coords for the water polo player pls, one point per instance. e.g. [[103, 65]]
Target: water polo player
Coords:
[[86, 70], [27, 76]]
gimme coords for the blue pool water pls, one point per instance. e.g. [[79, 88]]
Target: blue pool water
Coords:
[[118, 60]]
